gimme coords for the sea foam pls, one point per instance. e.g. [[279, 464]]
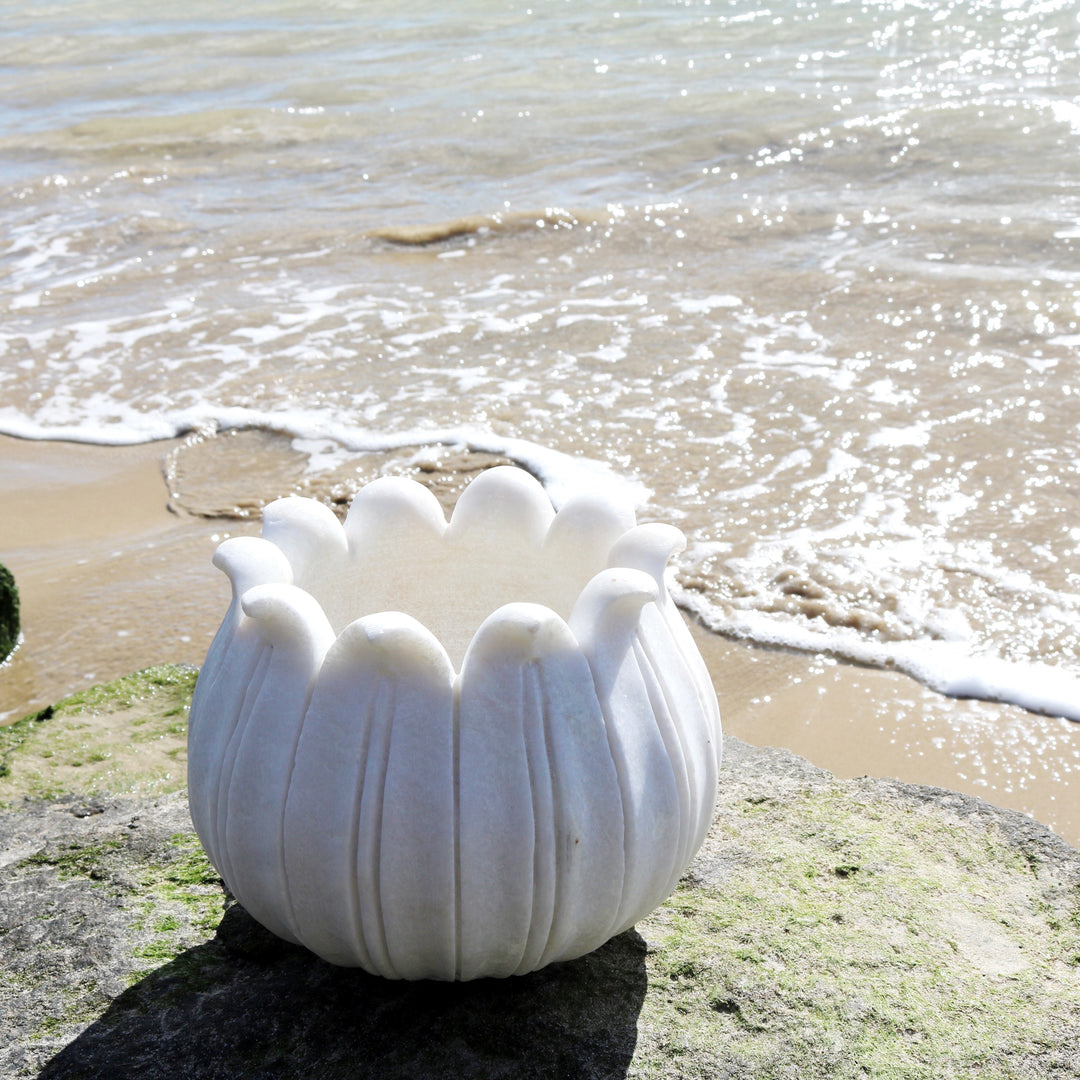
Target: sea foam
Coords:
[[562, 474], [949, 667]]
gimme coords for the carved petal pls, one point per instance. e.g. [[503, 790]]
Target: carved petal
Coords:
[[417, 848], [681, 672], [308, 534], [648, 548], [589, 523], [369, 822], [586, 801], [688, 686], [217, 709], [395, 510], [247, 561], [502, 506], [262, 747], [225, 676], [507, 838], [606, 620], [497, 856], [606, 615]]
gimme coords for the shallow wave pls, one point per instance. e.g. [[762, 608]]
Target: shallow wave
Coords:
[[953, 667], [562, 474], [949, 667]]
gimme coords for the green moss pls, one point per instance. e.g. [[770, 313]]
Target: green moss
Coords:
[[160, 686], [180, 904], [185, 875], [12, 736], [80, 1004], [919, 952], [75, 860], [175, 896], [157, 949], [125, 736], [50, 1025]]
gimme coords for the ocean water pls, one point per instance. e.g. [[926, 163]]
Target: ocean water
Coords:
[[804, 276]]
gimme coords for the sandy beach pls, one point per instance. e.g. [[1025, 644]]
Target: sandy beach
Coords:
[[115, 575], [109, 579]]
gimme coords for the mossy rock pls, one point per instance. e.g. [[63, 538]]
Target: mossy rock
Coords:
[[866, 928], [128, 736], [9, 613], [827, 929]]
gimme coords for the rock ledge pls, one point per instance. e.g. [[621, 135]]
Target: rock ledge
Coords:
[[827, 928]]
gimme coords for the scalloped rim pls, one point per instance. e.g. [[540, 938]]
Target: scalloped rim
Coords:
[[503, 505]]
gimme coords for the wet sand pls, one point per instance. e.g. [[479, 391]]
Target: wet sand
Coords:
[[114, 576], [859, 721], [110, 580]]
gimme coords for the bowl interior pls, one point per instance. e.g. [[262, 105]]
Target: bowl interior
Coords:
[[451, 584]]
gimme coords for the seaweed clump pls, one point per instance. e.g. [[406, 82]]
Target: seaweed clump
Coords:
[[9, 613]]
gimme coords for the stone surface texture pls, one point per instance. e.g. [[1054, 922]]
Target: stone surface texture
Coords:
[[827, 928]]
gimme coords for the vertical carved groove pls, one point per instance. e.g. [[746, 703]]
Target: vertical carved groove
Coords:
[[667, 720], [541, 787], [557, 807], [665, 736], [456, 766], [221, 814], [355, 917], [620, 775], [387, 689], [698, 731], [290, 911]]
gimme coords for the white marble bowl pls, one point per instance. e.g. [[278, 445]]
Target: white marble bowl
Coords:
[[452, 751]]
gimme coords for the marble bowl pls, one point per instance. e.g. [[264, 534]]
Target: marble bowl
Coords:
[[458, 750]]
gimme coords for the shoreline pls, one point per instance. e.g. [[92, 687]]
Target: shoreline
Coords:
[[112, 579]]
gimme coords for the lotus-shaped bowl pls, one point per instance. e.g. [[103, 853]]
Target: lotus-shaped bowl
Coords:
[[508, 758]]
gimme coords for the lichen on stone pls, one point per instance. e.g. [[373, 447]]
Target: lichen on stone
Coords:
[[837, 932]]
